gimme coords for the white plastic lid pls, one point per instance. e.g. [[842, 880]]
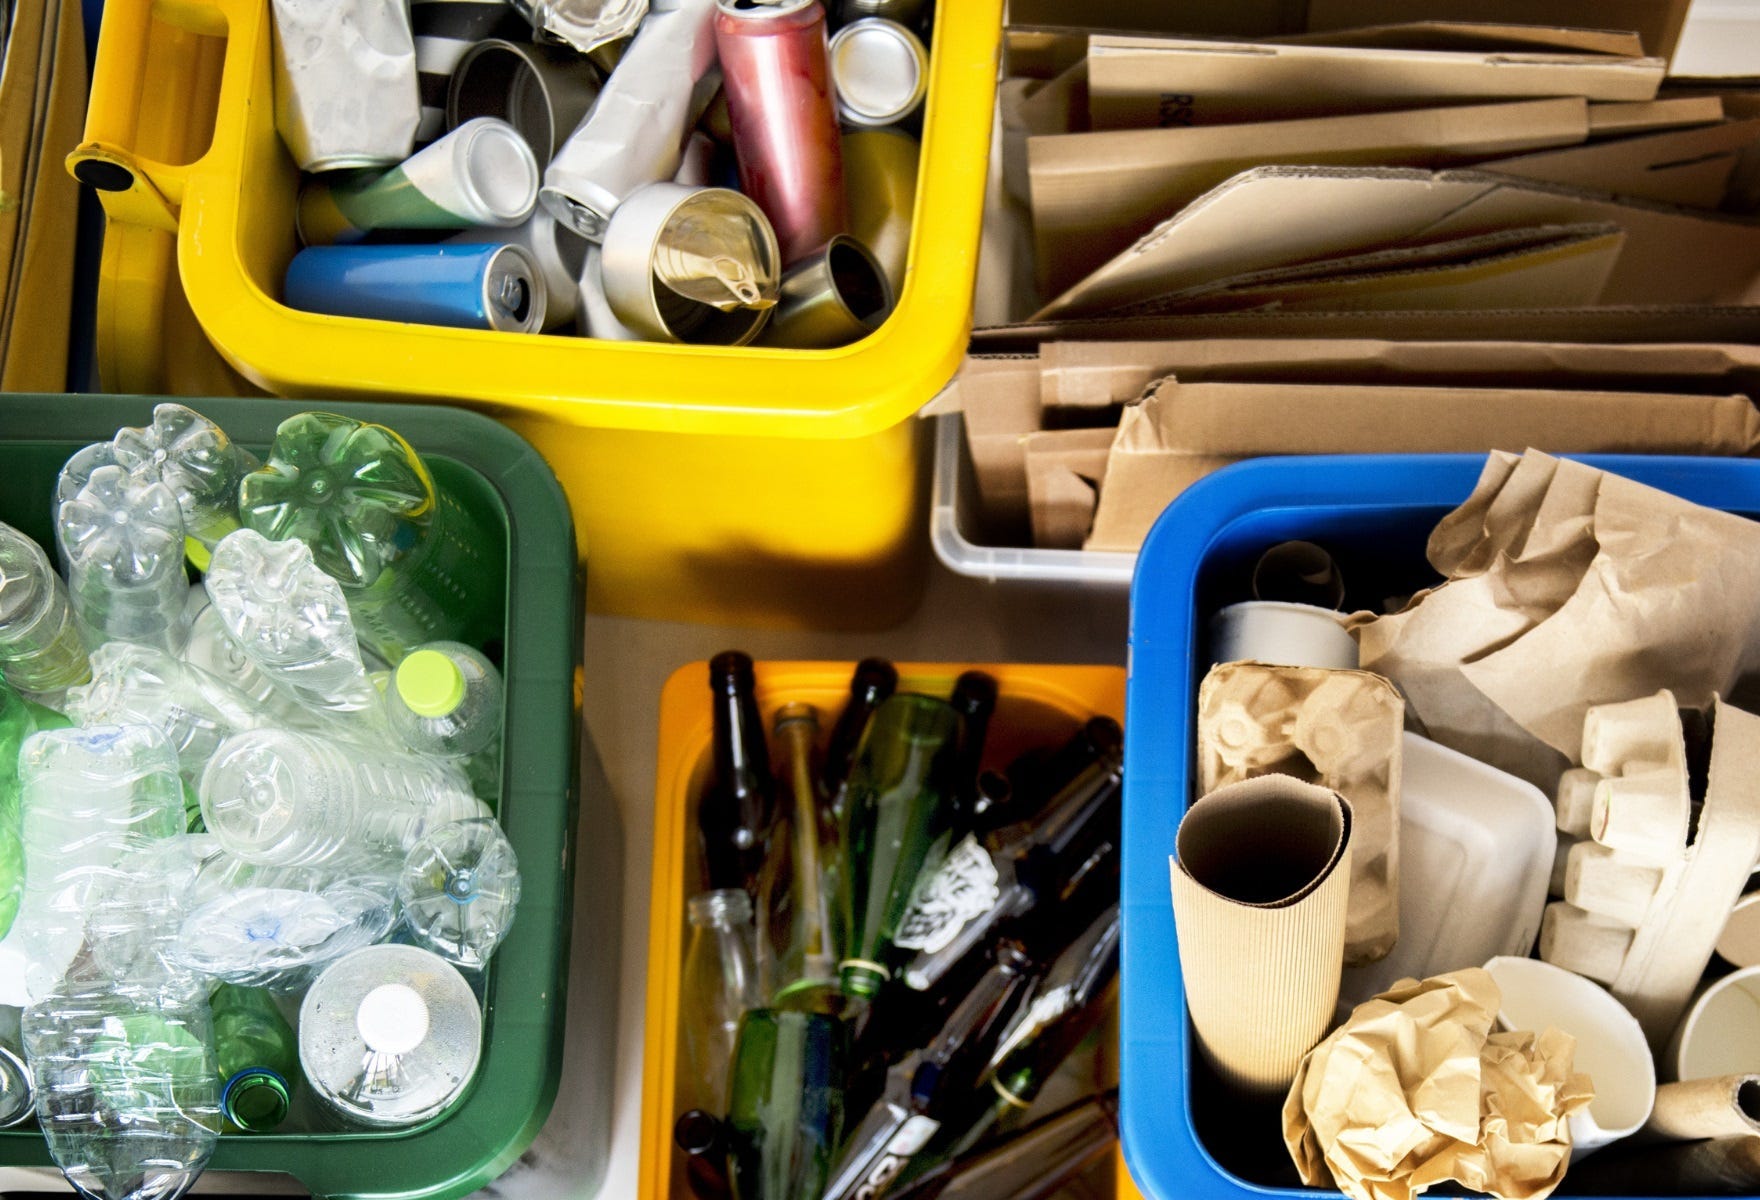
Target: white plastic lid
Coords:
[[392, 1019]]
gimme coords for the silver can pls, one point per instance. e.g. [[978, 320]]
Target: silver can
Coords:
[[389, 1036], [584, 24], [345, 82], [905, 12], [879, 71], [542, 91], [831, 298]]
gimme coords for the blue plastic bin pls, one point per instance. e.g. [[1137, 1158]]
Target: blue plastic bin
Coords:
[[1375, 513]]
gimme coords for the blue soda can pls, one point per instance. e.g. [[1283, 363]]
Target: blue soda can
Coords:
[[465, 287]]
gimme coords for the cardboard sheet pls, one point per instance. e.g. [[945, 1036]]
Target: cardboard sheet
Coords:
[[1618, 118], [1689, 167], [1148, 83], [1340, 729], [1657, 22], [1414, 1090], [1181, 431], [1483, 37], [1094, 194], [1066, 469]]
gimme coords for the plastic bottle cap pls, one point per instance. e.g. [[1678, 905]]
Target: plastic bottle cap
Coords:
[[430, 683], [392, 1019]]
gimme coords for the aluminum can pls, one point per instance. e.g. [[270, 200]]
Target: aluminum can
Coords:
[[880, 73], [444, 30], [584, 24], [561, 255], [345, 82], [542, 91], [833, 297], [880, 169], [905, 12], [777, 73], [464, 287]]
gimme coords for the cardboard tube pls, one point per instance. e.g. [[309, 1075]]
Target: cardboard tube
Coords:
[[1720, 1034], [1576, 800], [1728, 1165], [1260, 886], [1645, 816], [1739, 944], [1600, 881], [1720, 1107], [1298, 573], [1284, 635], [1648, 730], [1579, 941], [1610, 1044]]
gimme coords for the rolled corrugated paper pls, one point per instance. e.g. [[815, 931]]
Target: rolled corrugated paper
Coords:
[[1261, 881], [1721, 1107]]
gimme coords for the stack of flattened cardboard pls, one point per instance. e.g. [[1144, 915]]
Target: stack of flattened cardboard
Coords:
[[1459, 225], [42, 107]]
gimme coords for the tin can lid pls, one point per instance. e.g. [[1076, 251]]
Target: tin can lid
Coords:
[[880, 71]]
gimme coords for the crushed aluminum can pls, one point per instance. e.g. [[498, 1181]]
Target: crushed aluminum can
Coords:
[[584, 24], [345, 82]]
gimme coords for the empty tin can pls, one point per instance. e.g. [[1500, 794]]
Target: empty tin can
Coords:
[[464, 287], [880, 168], [905, 12], [833, 297], [880, 72], [345, 82], [684, 264], [444, 30], [584, 24], [776, 71], [542, 91]]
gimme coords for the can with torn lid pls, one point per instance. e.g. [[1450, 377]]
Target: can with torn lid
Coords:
[[561, 255], [776, 70], [685, 264], [880, 72], [482, 173], [833, 297], [464, 287], [345, 82], [584, 24], [445, 30], [634, 134], [542, 91]]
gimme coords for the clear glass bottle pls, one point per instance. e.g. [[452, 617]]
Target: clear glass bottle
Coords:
[[720, 982], [796, 935]]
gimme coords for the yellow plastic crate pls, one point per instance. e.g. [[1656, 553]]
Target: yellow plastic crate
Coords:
[[1036, 706], [708, 483]]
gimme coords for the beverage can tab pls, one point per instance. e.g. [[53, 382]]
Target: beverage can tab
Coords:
[[584, 24], [714, 251]]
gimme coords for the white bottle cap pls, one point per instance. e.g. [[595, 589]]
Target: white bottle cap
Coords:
[[392, 1019]]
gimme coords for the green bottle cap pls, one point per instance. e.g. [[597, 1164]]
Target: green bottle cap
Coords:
[[430, 683], [256, 1099]]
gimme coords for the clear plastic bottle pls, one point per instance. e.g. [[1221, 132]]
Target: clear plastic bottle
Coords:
[[135, 910], [417, 560], [90, 797], [122, 540], [389, 1036], [41, 651], [278, 937], [211, 649], [291, 620], [445, 701], [75, 473], [142, 685], [17, 1089], [195, 459], [459, 889], [128, 1093], [282, 798], [258, 1058], [720, 984], [19, 718]]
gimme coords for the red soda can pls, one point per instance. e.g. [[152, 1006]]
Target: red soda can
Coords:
[[776, 70]]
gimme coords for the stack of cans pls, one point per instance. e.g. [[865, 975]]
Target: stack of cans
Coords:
[[720, 172]]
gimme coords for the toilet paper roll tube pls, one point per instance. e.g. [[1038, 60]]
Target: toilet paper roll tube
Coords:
[[1720, 1107]]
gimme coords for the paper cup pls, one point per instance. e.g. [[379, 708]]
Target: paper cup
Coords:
[[1721, 1032], [1284, 635], [1611, 1048], [1739, 944]]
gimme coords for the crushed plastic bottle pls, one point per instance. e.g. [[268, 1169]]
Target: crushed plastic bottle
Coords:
[[127, 1090], [201, 465], [445, 701], [279, 937], [19, 718], [418, 564], [142, 685], [18, 1096], [212, 650], [135, 910], [90, 797], [41, 651], [459, 889], [291, 620], [289, 799], [76, 472], [122, 540]]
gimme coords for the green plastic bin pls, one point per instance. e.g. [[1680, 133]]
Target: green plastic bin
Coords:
[[526, 984]]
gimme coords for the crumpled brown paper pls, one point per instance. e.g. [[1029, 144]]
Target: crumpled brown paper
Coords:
[[1414, 1090], [1567, 587]]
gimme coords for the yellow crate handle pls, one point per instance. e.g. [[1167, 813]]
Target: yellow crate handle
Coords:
[[154, 66]]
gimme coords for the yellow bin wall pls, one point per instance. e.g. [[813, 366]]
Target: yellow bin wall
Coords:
[[1036, 705], [738, 484]]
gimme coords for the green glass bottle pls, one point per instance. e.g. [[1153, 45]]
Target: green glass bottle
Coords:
[[19, 718], [797, 934], [785, 1107], [258, 1058], [899, 809]]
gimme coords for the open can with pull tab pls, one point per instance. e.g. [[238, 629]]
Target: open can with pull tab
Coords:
[[684, 264], [465, 287]]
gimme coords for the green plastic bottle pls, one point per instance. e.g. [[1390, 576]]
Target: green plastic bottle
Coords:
[[785, 1105], [19, 718], [416, 563], [898, 811], [258, 1058]]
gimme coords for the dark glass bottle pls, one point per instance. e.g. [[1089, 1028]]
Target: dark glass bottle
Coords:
[[700, 1137], [984, 883], [874, 680], [1031, 1164], [925, 1087], [898, 811], [734, 815], [1037, 776], [785, 1108], [974, 699]]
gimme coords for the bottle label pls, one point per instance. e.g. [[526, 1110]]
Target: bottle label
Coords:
[[964, 887], [905, 1144]]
